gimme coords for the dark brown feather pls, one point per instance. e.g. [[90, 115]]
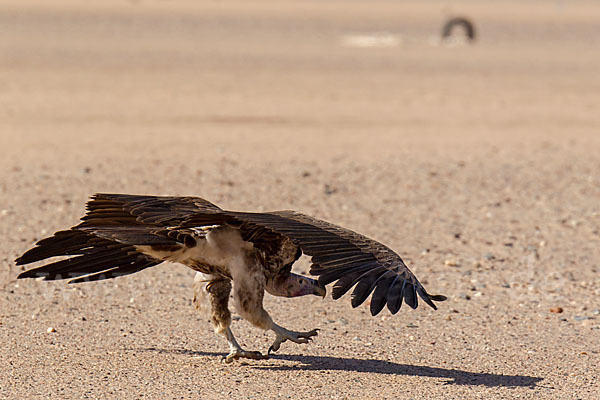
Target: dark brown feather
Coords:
[[91, 254], [346, 256]]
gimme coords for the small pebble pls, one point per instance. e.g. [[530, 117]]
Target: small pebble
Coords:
[[329, 189], [50, 330], [452, 263], [556, 310], [581, 318]]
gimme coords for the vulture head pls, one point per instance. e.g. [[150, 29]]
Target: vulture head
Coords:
[[293, 285]]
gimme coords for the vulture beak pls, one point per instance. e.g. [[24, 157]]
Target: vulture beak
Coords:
[[319, 290]]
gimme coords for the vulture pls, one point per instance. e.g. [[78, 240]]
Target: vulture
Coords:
[[247, 252]]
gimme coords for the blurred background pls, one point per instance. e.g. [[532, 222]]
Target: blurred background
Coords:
[[214, 97], [476, 160]]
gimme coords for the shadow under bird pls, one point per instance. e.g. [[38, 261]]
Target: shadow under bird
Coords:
[[250, 252]]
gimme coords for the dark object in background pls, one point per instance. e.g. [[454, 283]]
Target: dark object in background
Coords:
[[463, 22]]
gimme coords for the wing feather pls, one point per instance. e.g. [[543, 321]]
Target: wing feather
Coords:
[[395, 294], [89, 254], [331, 275], [365, 286], [102, 246], [379, 298], [341, 255]]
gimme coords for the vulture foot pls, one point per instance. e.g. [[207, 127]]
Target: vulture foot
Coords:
[[283, 335], [236, 354]]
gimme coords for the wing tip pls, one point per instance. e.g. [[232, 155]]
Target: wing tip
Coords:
[[28, 257], [25, 274], [430, 298], [438, 297]]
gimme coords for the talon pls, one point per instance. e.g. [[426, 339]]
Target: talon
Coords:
[[276, 344], [237, 354], [227, 359], [296, 337]]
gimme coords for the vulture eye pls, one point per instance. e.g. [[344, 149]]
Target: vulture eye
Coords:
[[301, 282]]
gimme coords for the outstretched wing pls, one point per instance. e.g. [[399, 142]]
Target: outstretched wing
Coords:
[[102, 246], [341, 255]]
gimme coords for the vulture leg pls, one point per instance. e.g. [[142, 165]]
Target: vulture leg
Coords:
[[217, 290], [248, 295]]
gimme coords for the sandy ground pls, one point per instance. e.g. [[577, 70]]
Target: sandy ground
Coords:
[[478, 164]]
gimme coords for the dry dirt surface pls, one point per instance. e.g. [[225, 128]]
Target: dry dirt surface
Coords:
[[478, 163]]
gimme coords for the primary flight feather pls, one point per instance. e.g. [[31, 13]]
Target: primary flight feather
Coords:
[[122, 234]]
